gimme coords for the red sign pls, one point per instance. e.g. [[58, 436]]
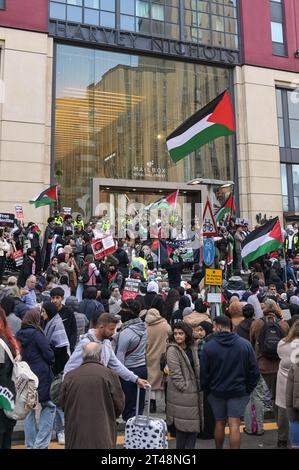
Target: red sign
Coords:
[[209, 228], [131, 289], [103, 246]]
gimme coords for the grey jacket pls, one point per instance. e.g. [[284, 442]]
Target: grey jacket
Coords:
[[108, 357], [131, 343], [14, 322]]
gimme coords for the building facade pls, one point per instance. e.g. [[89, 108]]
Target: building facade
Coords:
[[25, 109], [267, 109], [127, 73]]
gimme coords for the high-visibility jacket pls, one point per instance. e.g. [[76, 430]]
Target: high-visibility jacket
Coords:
[[58, 220], [141, 264], [78, 224]]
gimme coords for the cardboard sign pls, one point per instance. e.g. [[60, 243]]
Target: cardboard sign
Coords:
[[213, 277], [214, 298], [7, 220], [209, 228], [19, 212], [103, 246], [67, 210], [131, 289]]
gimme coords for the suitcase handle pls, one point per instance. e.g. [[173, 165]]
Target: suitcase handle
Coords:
[[143, 420]]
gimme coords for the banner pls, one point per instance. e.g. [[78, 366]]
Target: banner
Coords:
[[103, 246], [131, 289], [67, 210], [7, 220]]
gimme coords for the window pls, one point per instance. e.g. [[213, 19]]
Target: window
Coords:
[[287, 103], [2, 4], [277, 28], [284, 186], [212, 22], [114, 110]]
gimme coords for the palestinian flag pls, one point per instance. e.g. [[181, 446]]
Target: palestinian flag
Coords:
[[161, 249], [48, 196], [263, 240], [164, 202], [227, 208], [214, 120]]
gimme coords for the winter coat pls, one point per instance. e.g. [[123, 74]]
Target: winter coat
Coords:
[[26, 271], [228, 367], [284, 351], [243, 329], [13, 322], [157, 334], [152, 300], [195, 318], [184, 401], [89, 306], [70, 326], [123, 262], [174, 272], [267, 366], [37, 352], [292, 391], [114, 305], [92, 399], [131, 343]]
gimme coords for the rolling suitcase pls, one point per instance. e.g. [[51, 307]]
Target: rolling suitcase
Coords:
[[145, 432]]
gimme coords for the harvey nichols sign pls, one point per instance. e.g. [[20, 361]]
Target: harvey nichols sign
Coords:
[[114, 38]]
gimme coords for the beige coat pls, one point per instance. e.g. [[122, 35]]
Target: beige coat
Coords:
[[157, 334], [284, 351], [195, 318], [184, 400], [292, 390]]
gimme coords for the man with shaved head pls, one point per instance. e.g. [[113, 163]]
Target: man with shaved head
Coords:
[[92, 400]]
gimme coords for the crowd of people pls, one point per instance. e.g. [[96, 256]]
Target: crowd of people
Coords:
[[65, 314]]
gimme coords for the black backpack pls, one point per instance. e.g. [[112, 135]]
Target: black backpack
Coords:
[[269, 338]]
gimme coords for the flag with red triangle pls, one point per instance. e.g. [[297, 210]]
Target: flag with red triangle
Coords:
[[216, 119], [227, 208], [164, 202], [262, 240], [48, 196]]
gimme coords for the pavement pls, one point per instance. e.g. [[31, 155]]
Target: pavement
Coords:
[[267, 441]]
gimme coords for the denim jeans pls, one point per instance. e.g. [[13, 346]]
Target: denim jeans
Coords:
[[294, 434], [59, 420], [130, 391], [40, 437]]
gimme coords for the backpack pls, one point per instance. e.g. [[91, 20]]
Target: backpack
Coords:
[[26, 384], [269, 338], [56, 388]]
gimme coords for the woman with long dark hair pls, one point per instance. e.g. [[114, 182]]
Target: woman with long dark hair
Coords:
[[183, 406], [6, 367], [36, 351], [171, 303]]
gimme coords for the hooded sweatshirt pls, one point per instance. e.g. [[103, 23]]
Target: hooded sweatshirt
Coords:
[[228, 366], [131, 343], [108, 357]]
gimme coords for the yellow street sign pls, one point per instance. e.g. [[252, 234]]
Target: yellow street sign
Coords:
[[213, 277]]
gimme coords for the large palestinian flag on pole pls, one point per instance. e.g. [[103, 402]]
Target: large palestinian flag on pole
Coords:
[[48, 196], [263, 240], [227, 208], [214, 120], [164, 202]]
